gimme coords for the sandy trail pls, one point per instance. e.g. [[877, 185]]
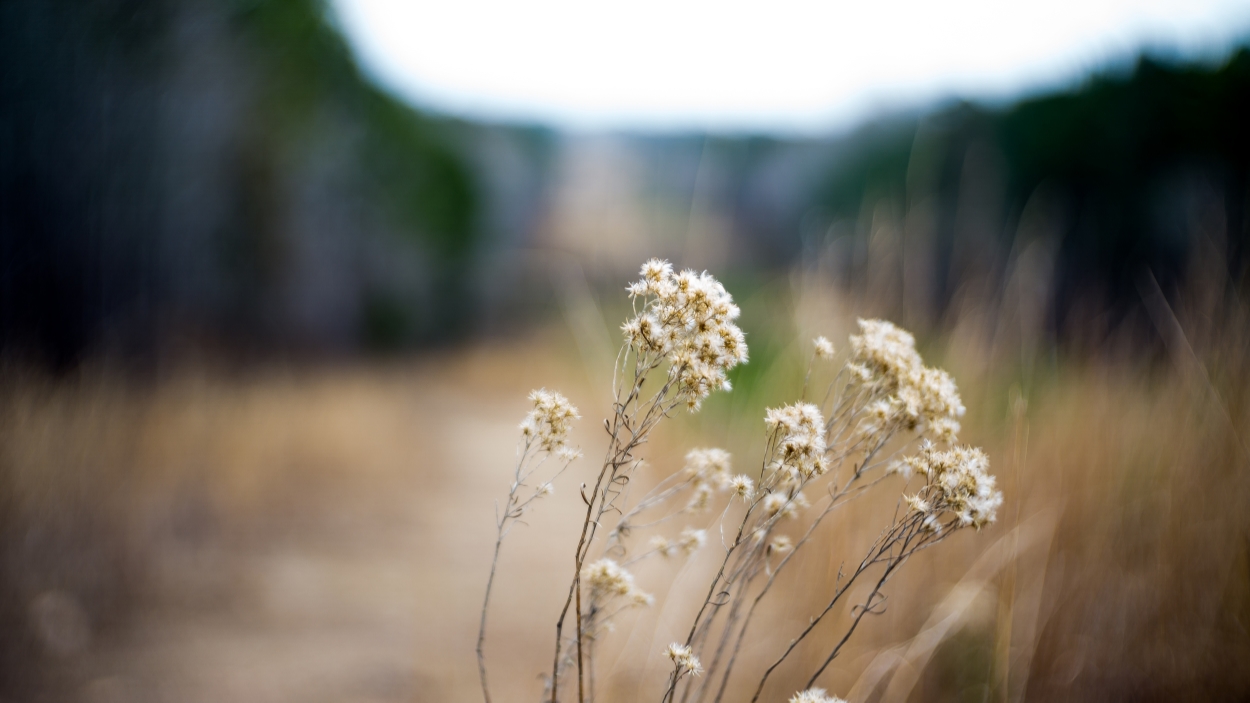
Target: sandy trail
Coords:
[[356, 573]]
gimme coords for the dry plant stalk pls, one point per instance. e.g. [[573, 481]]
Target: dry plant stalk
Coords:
[[544, 434], [882, 414]]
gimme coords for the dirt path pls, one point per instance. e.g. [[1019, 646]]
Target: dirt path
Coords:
[[359, 576]]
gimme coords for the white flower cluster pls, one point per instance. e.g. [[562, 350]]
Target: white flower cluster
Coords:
[[689, 541], [741, 486], [607, 580], [800, 430], [824, 348], [709, 471], [686, 661], [781, 503], [906, 394], [815, 695], [688, 318], [958, 481], [708, 465], [781, 544], [549, 422]]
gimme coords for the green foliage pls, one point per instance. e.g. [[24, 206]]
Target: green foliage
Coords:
[[1119, 152], [426, 184], [408, 159]]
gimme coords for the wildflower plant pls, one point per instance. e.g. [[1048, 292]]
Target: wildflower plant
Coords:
[[885, 415], [544, 437]]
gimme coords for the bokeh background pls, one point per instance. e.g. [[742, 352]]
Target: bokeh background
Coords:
[[267, 324]]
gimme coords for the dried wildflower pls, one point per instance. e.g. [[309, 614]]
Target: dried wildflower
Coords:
[[549, 422], [687, 318], [824, 348], [544, 432], [607, 580], [701, 499], [774, 503], [900, 467], [815, 695], [662, 546], [909, 395], [781, 544], [783, 505], [741, 486], [801, 442], [958, 481], [709, 465], [691, 540], [686, 661], [917, 504], [684, 326]]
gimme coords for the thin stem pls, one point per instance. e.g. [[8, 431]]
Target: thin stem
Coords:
[[481, 631], [882, 546]]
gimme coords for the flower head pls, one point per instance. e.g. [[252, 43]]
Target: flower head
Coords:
[[917, 504], [801, 439], [824, 348], [549, 422], [691, 540], [907, 395], [741, 486], [958, 482], [607, 580], [780, 545], [783, 505], [701, 499], [687, 318], [662, 546], [815, 695], [687, 662], [705, 466]]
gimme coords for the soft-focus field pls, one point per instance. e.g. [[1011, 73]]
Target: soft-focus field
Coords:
[[323, 534]]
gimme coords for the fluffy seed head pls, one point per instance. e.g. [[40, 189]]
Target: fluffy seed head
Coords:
[[907, 394], [917, 504], [741, 486], [687, 662], [824, 348], [781, 544], [957, 482], [548, 424], [691, 540], [687, 318], [815, 695], [705, 466], [701, 499], [608, 580], [783, 505], [662, 545], [801, 439]]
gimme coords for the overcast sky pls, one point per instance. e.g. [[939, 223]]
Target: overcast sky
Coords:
[[782, 65]]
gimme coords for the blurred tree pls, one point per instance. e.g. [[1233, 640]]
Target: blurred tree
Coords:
[[1124, 159], [177, 171]]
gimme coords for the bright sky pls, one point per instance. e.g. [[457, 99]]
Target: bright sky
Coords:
[[780, 65]]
